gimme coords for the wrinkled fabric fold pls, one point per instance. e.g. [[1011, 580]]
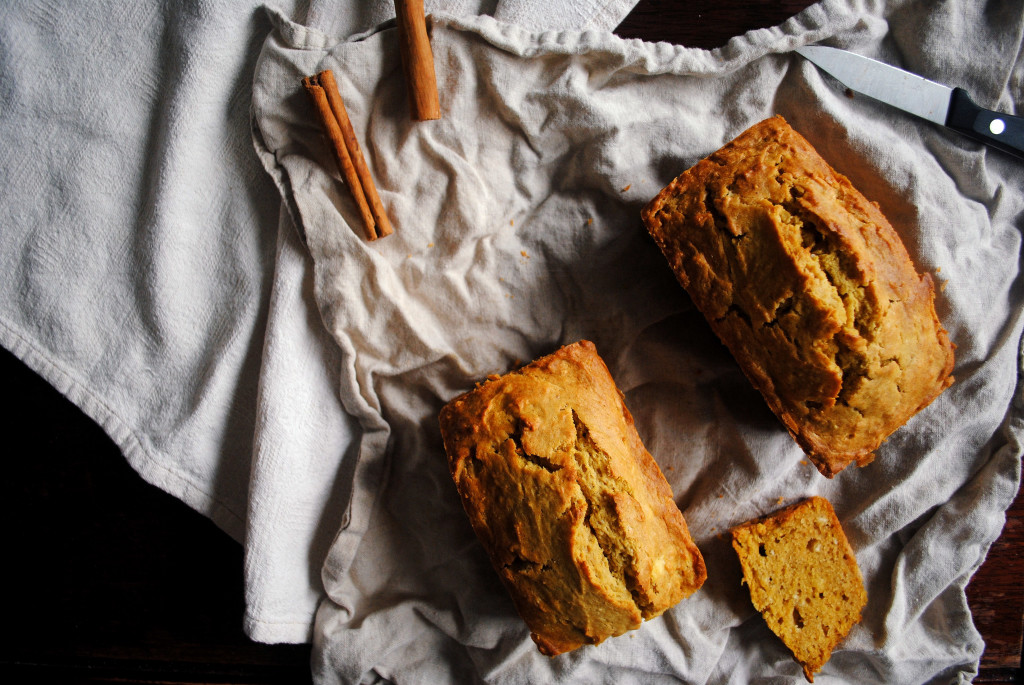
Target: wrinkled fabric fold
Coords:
[[250, 355], [517, 230], [149, 275]]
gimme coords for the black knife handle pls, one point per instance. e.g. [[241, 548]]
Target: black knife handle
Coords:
[[1002, 131]]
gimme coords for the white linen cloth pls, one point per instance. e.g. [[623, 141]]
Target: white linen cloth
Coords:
[[517, 230], [148, 273], [149, 270]]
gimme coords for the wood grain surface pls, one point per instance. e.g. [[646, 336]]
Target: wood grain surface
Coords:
[[112, 580]]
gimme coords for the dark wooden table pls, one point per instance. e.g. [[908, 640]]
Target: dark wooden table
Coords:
[[111, 580]]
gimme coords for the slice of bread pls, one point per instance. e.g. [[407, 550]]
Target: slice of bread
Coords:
[[803, 578]]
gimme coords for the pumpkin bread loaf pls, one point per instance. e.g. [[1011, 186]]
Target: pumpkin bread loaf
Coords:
[[810, 288], [576, 516]]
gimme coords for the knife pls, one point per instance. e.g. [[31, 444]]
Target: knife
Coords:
[[949, 107]]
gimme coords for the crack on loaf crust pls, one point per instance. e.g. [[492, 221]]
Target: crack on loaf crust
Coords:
[[599, 486], [809, 287], [516, 437]]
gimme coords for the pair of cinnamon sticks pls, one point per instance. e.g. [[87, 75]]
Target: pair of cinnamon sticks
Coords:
[[323, 90]]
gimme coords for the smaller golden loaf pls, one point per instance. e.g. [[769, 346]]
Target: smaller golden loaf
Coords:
[[810, 288], [577, 518], [803, 578]]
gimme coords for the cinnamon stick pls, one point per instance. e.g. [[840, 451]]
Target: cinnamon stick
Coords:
[[362, 171], [418, 60], [323, 90]]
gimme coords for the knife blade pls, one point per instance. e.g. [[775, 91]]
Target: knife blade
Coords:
[[938, 103]]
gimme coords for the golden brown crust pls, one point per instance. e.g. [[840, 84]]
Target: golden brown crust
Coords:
[[809, 287], [575, 514], [803, 578]]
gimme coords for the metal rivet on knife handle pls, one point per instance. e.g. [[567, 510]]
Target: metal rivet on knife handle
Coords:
[[1002, 131]]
